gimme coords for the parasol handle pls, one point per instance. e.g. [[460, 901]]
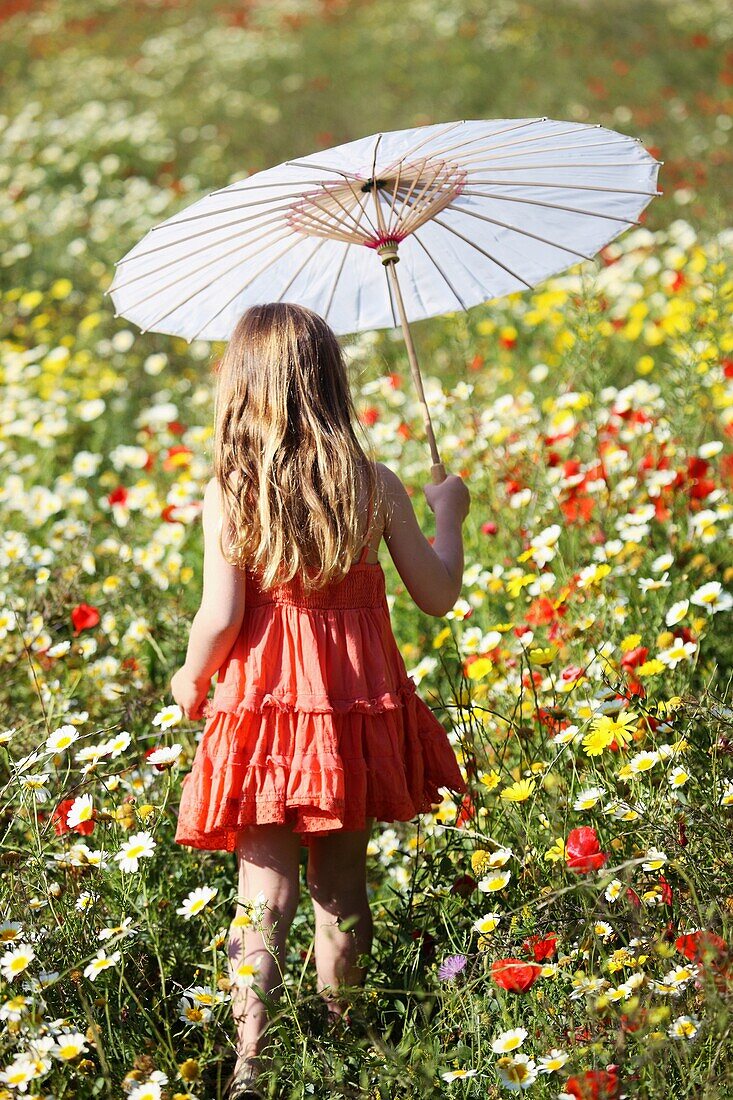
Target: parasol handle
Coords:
[[388, 253]]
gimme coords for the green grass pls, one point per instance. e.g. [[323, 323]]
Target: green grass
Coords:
[[114, 117]]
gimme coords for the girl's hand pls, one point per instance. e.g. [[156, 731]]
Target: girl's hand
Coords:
[[190, 694], [450, 496]]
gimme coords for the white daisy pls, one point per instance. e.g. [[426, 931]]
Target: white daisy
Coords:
[[712, 597], [102, 961], [517, 1073], [69, 1046], [493, 882], [552, 1062], [677, 652], [140, 846], [190, 1012], [509, 1040], [458, 1074], [15, 961], [149, 1091], [196, 901], [61, 738], [487, 924], [677, 612], [684, 1027], [82, 809], [166, 755], [587, 799], [654, 861]]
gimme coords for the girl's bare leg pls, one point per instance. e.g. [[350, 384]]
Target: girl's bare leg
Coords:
[[337, 885], [269, 858]]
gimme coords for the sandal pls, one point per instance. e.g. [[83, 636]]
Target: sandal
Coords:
[[243, 1083]]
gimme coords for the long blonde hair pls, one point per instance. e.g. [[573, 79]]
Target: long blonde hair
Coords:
[[286, 453]]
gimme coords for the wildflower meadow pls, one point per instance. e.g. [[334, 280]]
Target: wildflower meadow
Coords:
[[565, 930]]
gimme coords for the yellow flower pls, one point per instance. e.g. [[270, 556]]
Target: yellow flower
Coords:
[[519, 791], [442, 637], [563, 341], [479, 668], [543, 657], [605, 730], [557, 851], [651, 668], [189, 1070], [490, 780], [61, 288], [631, 641], [516, 584], [30, 300], [480, 862]]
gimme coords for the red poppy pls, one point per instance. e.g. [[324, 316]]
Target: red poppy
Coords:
[[177, 457], [84, 617], [515, 975], [118, 495], [702, 947], [467, 811], [542, 611], [667, 894], [637, 688], [577, 508], [633, 897], [489, 528], [59, 819], [541, 948], [634, 657], [583, 850], [168, 515], [464, 886], [594, 1084]]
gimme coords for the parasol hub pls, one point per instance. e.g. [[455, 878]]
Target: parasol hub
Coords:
[[388, 252]]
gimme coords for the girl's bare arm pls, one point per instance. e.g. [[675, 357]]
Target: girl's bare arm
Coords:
[[433, 575], [219, 618]]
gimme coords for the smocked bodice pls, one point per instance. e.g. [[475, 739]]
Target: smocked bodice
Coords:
[[363, 586]]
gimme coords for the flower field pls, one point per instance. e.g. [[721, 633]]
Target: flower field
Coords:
[[565, 930]]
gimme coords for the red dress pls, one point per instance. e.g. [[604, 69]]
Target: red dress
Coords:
[[314, 721]]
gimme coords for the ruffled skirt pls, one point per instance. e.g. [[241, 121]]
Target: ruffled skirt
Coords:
[[318, 771]]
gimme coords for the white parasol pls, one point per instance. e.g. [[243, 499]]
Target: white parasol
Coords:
[[473, 210]]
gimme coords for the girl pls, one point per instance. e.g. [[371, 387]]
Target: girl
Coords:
[[314, 729]]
